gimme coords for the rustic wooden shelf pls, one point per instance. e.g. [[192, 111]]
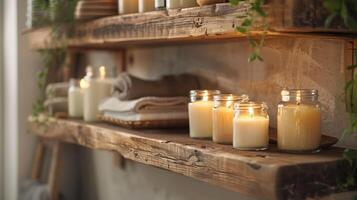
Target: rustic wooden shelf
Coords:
[[198, 24], [265, 174]]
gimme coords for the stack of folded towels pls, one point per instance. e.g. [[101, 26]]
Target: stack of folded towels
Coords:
[[137, 100]]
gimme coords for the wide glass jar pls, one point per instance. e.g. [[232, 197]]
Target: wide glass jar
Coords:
[[250, 126], [299, 119], [174, 4], [200, 113], [223, 117], [128, 6]]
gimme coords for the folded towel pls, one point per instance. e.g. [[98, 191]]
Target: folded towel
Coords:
[[54, 90], [131, 116], [145, 105], [128, 87]]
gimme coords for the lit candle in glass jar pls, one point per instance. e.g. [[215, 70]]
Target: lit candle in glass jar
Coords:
[[223, 117], [146, 5], [299, 119], [200, 113], [251, 126], [173, 4], [128, 6], [96, 90]]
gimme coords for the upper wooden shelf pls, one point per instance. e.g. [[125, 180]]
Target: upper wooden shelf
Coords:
[[265, 174], [198, 24]]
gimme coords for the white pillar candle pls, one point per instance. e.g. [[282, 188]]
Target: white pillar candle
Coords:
[[299, 127], [200, 119], [75, 101], [146, 5], [174, 4], [128, 6], [96, 91]]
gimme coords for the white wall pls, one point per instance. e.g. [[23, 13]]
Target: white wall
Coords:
[[1, 102], [10, 100]]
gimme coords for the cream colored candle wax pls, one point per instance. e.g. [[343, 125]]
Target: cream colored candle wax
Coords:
[[75, 100], [173, 4], [200, 113], [250, 126], [200, 117], [128, 6], [299, 127], [95, 92], [146, 5], [223, 125], [223, 117]]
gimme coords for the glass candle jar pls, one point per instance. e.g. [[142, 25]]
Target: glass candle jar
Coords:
[[250, 126], [223, 117], [174, 4], [128, 6], [160, 4], [200, 113], [299, 120], [75, 99], [146, 5]]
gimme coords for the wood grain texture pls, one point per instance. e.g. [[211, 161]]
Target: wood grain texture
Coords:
[[269, 174], [197, 24]]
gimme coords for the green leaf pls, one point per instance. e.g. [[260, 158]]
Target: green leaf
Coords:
[[235, 2], [330, 19], [247, 22], [241, 29]]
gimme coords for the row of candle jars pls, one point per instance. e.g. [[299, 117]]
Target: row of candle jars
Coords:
[[233, 119]]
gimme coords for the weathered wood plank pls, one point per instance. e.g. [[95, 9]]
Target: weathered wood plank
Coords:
[[207, 23], [267, 174]]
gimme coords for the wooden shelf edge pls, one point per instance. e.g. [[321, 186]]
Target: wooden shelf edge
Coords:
[[268, 174]]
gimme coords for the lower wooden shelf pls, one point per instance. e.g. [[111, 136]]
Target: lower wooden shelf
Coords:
[[266, 174]]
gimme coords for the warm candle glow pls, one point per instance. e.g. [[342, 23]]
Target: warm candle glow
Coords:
[[102, 72], [89, 71], [83, 84]]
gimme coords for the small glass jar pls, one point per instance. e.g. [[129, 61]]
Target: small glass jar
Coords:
[[175, 4], [200, 113], [250, 126], [75, 99], [160, 4], [223, 117], [146, 5], [128, 6], [299, 120]]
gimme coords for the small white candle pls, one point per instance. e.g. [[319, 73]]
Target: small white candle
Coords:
[[146, 5], [75, 100], [250, 132], [128, 6]]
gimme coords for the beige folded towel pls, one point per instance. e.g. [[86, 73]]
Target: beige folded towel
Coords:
[[128, 87], [145, 105]]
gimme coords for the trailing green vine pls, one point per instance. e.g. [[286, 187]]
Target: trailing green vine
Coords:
[[53, 13], [254, 19]]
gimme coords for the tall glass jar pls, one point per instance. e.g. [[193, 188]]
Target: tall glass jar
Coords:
[[250, 126], [200, 113], [299, 119], [223, 117]]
